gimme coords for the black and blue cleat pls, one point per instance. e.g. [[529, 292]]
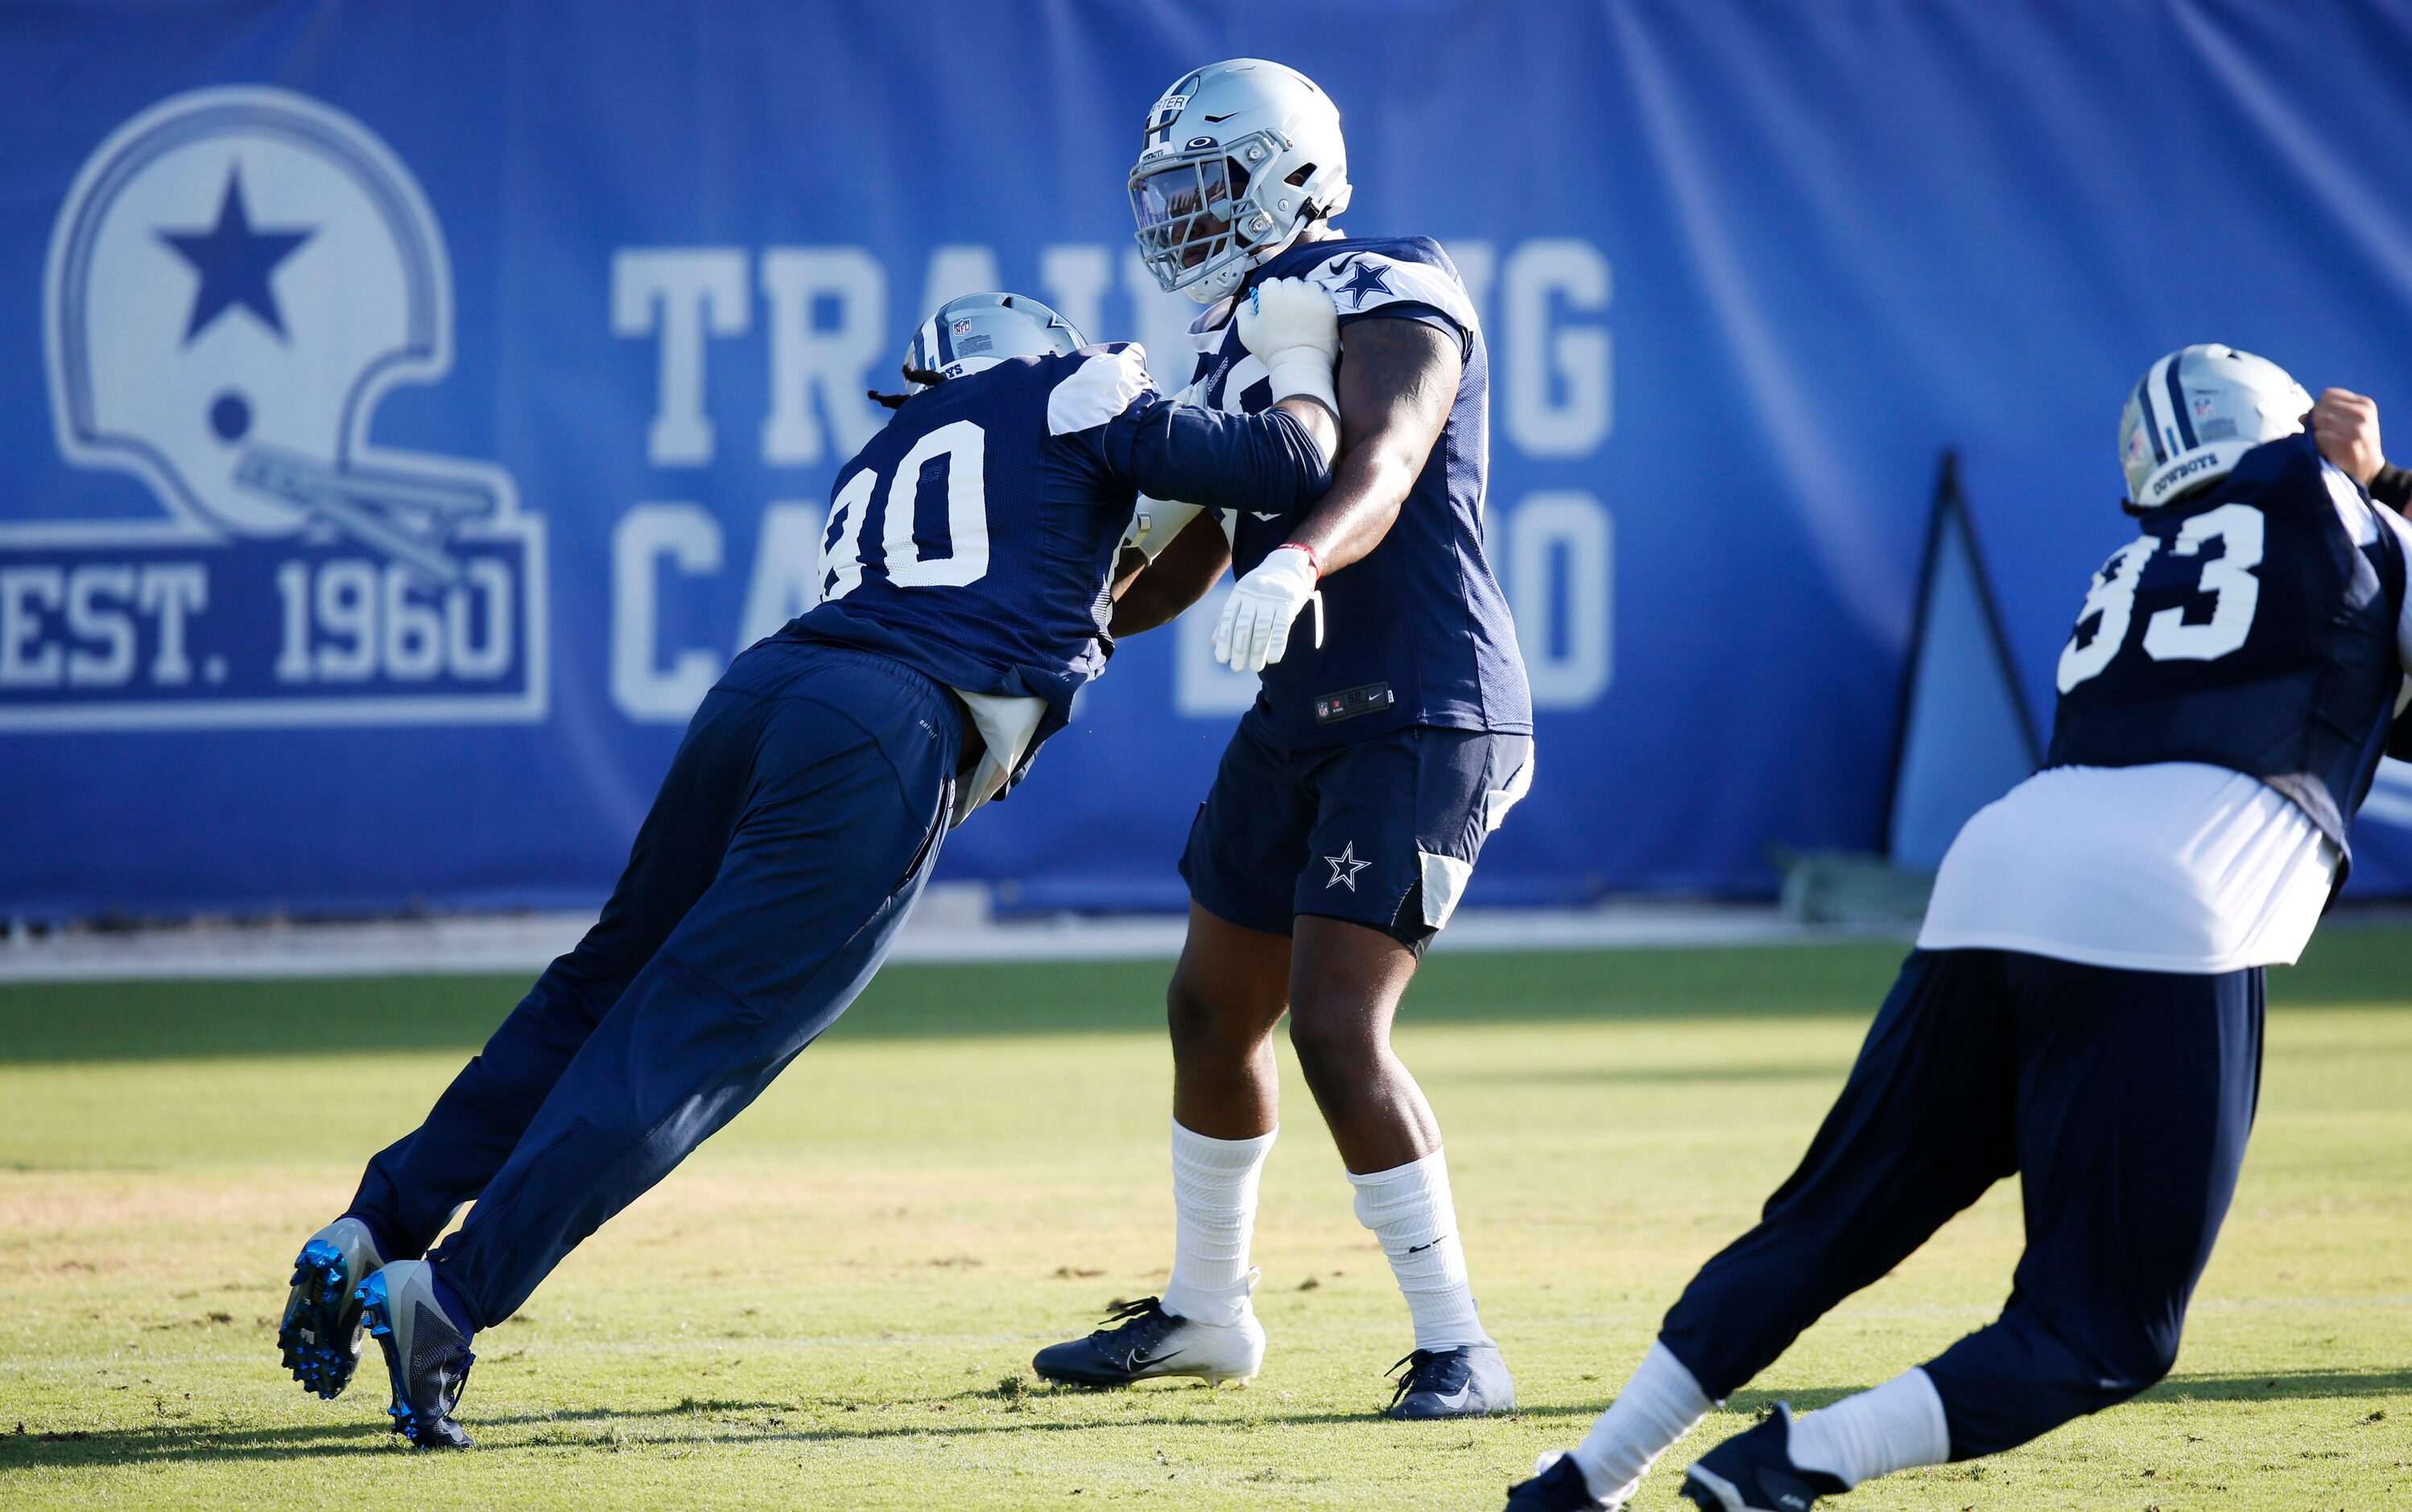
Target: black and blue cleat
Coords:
[[1557, 1486], [425, 1353], [320, 1336], [1753, 1472], [1470, 1381]]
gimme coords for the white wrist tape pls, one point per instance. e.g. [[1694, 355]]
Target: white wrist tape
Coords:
[[1296, 370], [1156, 524]]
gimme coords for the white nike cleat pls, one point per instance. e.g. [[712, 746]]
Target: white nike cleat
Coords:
[[1149, 1342]]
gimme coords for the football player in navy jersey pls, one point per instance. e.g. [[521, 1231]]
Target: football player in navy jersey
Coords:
[[2084, 1005], [965, 595], [1392, 734]]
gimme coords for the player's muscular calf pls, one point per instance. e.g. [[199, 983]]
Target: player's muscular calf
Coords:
[[1341, 984], [1346, 981], [1229, 992]]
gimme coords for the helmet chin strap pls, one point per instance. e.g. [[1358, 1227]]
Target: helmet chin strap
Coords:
[[1208, 290]]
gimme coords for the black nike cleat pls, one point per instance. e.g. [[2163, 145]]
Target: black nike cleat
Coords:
[[1753, 1472], [320, 1334], [1557, 1486], [428, 1358], [1149, 1342], [1470, 1381]]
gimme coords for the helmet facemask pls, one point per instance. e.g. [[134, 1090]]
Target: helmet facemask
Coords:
[[1199, 224], [1235, 160]]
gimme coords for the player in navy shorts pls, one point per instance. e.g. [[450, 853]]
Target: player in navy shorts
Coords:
[[1392, 734], [2085, 1007], [966, 570]]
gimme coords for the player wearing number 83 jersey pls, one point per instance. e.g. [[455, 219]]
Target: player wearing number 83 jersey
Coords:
[[966, 587], [2085, 1007]]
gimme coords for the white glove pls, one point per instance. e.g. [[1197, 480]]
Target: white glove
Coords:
[[1253, 630], [1293, 327]]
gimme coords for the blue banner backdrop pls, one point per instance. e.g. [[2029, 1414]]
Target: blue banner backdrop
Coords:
[[409, 408]]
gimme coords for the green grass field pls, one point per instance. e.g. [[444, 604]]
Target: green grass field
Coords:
[[835, 1303]]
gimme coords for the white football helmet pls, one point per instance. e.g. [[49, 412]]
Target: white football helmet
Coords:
[[239, 276], [2196, 414], [979, 331], [1233, 161]]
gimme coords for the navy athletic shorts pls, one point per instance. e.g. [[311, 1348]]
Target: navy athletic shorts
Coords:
[[1382, 832]]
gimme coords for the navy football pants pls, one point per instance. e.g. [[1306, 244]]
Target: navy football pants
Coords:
[[797, 825], [2121, 1098]]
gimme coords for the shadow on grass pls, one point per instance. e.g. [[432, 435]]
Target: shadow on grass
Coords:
[[2278, 1385], [2271, 1386], [737, 1422], [636, 1428], [101, 1022]]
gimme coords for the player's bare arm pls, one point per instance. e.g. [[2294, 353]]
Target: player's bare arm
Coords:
[[1290, 326], [1151, 594], [1396, 398], [1397, 379], [1184, 571]]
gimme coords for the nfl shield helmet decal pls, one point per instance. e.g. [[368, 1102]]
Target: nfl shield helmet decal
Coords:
[[236, 280]]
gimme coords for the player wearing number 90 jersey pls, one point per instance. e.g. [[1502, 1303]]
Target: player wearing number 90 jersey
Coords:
[[966, 567], [2085, 1007]]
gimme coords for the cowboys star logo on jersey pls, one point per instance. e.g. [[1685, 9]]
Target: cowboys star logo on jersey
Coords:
[[236, 279]]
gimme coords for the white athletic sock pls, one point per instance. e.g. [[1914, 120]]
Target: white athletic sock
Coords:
[[1214, 1186], [1409, 1210], [1893, 1427], [1660, 1404]]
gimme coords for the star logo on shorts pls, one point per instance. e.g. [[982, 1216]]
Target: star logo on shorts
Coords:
[[1345, 867]]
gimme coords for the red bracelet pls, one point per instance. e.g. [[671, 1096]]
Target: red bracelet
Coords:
[[1312, 559]]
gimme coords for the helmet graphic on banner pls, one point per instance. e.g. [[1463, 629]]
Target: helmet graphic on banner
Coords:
[[238, 277], [2195, 415]]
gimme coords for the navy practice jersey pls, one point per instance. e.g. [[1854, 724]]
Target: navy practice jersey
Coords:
[[2256, 627], [1416, 632], [974, 538]]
